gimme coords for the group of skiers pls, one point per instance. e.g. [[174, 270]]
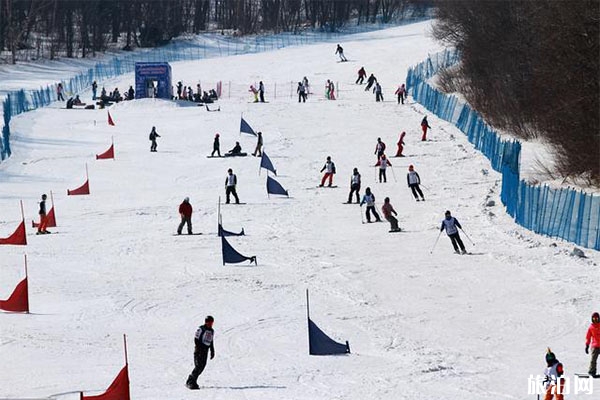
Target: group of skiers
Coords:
[[258, 93]]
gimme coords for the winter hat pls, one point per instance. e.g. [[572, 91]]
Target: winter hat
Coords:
[[217, 135], [550, 356], [411, 167], [209, 318], [447, 212], [187, 199], [44, 197], [595, 316]]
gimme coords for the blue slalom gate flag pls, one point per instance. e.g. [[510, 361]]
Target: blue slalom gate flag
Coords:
[[246, 128], [265, 162], [319, 344], [274, 187], [223, 232], [231, 255]]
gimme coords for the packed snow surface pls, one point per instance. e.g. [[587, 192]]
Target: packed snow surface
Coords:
[[420, 325]]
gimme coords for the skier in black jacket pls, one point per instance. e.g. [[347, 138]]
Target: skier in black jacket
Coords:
[[370, 82], [204, 342]]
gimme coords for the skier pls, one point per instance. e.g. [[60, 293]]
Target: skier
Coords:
[[370, 82], [340, 51], [554, 382], [261, 91], [383, 164], [305, 84], [331, 90], [237, 150], [424, 126], [328, 90], [400, 145], [377, 91], [130, 93], [369, 199], [59, 92], [204, 341], [361, 76], [152, 137], [413, 180], [259, 144], [452, 225], [329, 169], [254, 92], [593, 337], [185, 210], [401, 92], [387, 209], [190, 93], [230, 184], [301, 90], [43, 217], [354, 186], [379, 149], [216, 146], [94, 89]]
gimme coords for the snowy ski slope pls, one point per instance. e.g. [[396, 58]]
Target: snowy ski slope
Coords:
[[421, 326]]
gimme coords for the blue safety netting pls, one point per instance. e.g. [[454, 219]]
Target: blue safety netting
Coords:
[[564, 212]]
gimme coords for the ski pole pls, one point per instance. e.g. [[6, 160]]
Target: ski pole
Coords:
[[467, 236], [362, 220], [436, 240], [425, 187], [393, 174]]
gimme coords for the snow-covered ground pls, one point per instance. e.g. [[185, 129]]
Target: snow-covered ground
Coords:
[[420, 325]]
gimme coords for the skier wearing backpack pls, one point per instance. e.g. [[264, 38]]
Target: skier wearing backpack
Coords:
[[424, 126], [387, 209], [203, 343], [554, 383], [369, 200], [451, 225], [414, 180], [329, 169], [153, 135], [593, 338], [185, 211], [354, 186], [400, 145]]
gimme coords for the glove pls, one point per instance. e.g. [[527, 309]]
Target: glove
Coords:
[[587, 349], [212, 355]]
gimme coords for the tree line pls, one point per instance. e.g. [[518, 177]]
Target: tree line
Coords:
[[79, 28], [531, 68]]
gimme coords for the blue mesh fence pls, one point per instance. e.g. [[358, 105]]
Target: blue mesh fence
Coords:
[[564, 212]]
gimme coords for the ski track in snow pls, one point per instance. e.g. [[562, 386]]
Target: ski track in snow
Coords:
[[420, 326]]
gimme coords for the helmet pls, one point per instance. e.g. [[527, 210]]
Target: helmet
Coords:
[[595, 316], [550, 356], [447, 212], [411, 167], [328, 158], [44, 197], [209, 318], [229, 170], [217, 135], [187, 199]]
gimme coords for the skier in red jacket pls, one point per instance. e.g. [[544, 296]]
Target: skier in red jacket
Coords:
[[424, 126], [401, 145], [593, 338], [185, 210]]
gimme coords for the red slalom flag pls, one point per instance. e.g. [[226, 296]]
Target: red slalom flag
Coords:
[[18, 237], [18, 300], [81, 190], [110, 120], [108, 154], [51, 220], [118, 390]]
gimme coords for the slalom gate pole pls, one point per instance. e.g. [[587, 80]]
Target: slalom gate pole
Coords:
[[467, 236], [436, 240], [361, 215]]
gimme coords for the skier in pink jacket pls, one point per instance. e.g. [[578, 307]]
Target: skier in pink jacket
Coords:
[[593, 338]]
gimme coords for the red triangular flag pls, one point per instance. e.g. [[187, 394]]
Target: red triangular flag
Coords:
[[108, 154], [118, 390], [110, 120], [51, 220], [18, 237], [81, 190], [18, 300]]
